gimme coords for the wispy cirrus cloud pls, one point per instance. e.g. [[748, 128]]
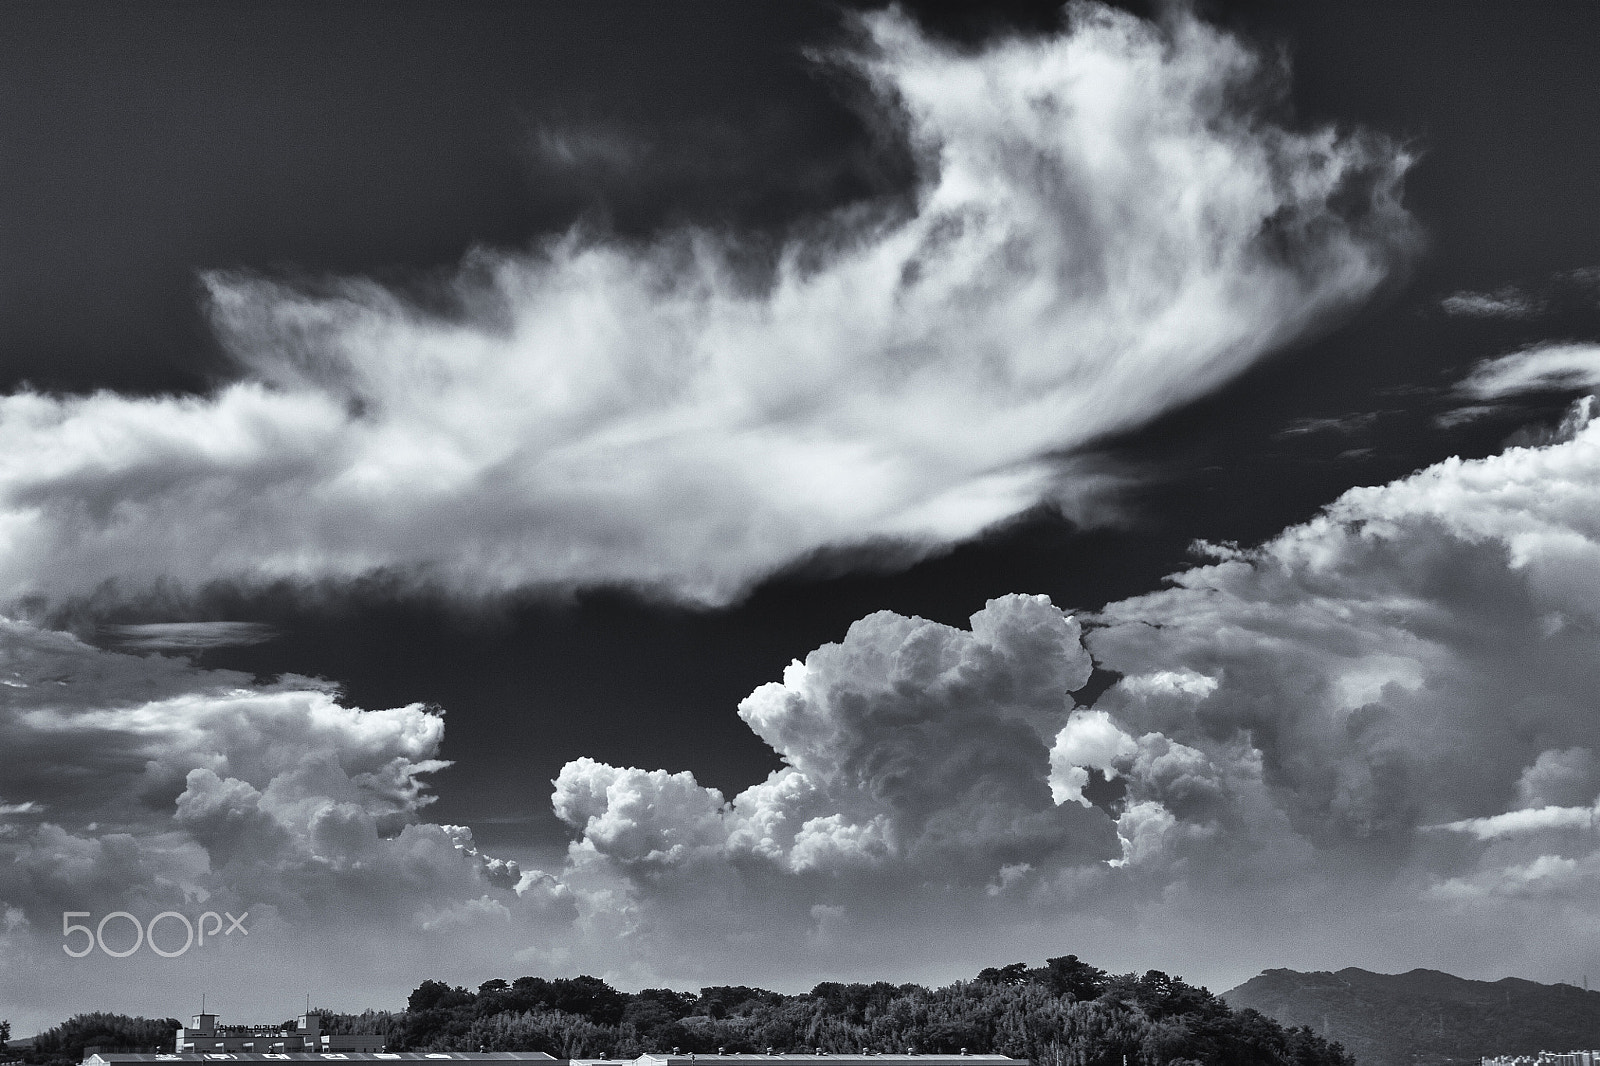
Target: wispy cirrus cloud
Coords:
[[1568, 290], [1105, 225], [1508, 302], [186, 636], [1551, 367]]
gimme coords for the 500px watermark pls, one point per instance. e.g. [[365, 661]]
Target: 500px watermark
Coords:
[[194, 933]]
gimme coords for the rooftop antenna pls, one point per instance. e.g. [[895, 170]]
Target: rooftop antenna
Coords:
[[202, 1003]]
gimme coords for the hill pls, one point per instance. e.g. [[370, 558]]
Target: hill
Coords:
[[1425, 1017]]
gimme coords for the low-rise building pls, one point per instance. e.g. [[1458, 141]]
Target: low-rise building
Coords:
[[326, 1058], [818, 1058], [306, 1034], [1546, 1058]]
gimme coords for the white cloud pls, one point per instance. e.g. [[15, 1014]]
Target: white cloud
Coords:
[[1567, 290], [1541, 368], [1089, 741], [1545, 876], [1104, 227], [1351, 743], [1507, 302], [911, 747], [1524, 821], [152, 785]]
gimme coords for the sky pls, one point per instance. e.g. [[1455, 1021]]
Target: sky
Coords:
[[720, 493]]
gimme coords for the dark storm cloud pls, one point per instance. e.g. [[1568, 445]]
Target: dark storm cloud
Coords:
[[1105, 226]]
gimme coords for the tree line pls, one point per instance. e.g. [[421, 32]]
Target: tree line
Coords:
[[1064, 1013]]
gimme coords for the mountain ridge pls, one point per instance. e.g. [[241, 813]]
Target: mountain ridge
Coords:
[[1425, 1017]]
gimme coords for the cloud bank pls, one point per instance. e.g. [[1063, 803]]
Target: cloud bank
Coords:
[[1369, 741], [1105, 224], [140, 783]]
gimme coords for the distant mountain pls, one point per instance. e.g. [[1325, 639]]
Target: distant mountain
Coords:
[[1425, 1017]]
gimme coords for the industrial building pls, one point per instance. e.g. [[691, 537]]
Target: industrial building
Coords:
[[205, 1035]]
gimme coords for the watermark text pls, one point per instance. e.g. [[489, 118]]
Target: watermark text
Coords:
[[144, 934]]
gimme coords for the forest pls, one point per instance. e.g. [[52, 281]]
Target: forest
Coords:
[[1065, 1013]]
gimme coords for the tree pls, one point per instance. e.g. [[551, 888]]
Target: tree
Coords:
[[436, 995], [1014, 974], [5, 1032], [1066, 975]]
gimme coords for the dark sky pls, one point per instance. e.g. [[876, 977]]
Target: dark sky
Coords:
[[146, 143]]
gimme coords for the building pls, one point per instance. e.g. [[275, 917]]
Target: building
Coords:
[[325, 1058], [205, 1035], [819, 1058], [208, 1044]]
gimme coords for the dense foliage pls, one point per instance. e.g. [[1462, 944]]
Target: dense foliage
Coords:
[[65, 1042], [1065, 1013]]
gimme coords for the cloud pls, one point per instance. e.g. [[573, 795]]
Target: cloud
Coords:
[[1527, 820], [1352, 742], [187, 636], [1508, 302], [148, 785], [1565, 291], [1419, 656], [1541, 368], [917, 757], [1370, 740], [1105, 224], [1342, 424]]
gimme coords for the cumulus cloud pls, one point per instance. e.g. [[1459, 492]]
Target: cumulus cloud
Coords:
[[1421, 656], [1104, 225], [1352, 742], [1348, 742], [918, 757], [152, 785]]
